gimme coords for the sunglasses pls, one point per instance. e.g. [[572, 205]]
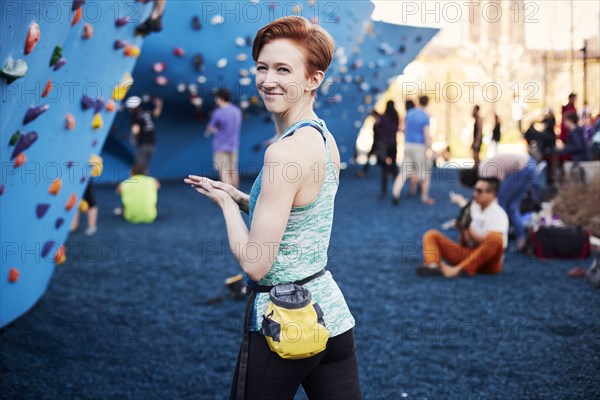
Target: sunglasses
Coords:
[[479, 190]]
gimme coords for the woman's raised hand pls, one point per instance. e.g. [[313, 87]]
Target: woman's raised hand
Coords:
[[218, 192]]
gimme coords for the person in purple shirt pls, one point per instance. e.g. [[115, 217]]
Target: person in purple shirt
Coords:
[[225, 125]]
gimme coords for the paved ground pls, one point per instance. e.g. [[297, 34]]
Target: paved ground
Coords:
[[127, 315]]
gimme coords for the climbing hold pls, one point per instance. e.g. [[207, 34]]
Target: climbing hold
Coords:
[[1, 189], [94, 143], [77, 16], [196, 101], [368, 99], [110, 106], [98, 104], [14, 138], [181, 88], [418, 39], [242, 57], [70, 122], [198, 62], [59, 223], [88, 31], [196, 25], [131, 51], [297, 9], [119, 22], [34, 112], [120, 91], [222, 63], [159, 67], [240, 41], [249, 40], [119, 44], [311, 3], [41, 210], [71, 202], [402, 49], [13, 275], [47, 247], [87, 102], [60, 256], [13, 70], [33, 37], [55, 186], [217, 20], [179, 52], [47, 88], [20, 160], [97, 122], [70, 164], [56, 55], [60, 63], [201, 79], [161, 80], [84, 206], [245, 81], [24, 142], [82, 179], [77, 4]]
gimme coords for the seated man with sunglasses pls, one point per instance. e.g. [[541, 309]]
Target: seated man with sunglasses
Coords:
[[482, 243]]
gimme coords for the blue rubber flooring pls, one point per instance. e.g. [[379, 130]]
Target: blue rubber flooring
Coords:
[[127, 315]]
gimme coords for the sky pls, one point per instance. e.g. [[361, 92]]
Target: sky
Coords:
[[547, 22]]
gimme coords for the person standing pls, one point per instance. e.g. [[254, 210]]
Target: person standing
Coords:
[[496, 135], [417, 144], [225, 125], [567, 109], [386, 128], [143, 129], [286, 215], [477, 134]]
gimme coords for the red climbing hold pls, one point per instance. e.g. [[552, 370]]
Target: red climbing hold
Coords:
[[161, 81], [71, 202], [110, 106], [60, 257], [20, 160], [77, 16], [179, 52], [47, 88], [41, 209], [70, 122], [55, 186], [88, 31], [13, 275], [122, 21], [131, 51], [33, 36], [24, 142], [34, 112]]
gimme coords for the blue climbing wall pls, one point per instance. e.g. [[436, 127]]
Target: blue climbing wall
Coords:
[[222, 33], [49, 155]]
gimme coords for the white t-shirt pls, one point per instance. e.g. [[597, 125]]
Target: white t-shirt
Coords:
[[492, 219]]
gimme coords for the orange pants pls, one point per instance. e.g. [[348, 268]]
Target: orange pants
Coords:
[[485, 258]]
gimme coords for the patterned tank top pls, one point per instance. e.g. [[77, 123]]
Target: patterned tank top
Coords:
[[303, 248]]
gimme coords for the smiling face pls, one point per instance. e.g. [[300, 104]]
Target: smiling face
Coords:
[[282, 78]]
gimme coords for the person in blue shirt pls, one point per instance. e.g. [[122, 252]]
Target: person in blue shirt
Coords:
[[576, 145], [417, 144]]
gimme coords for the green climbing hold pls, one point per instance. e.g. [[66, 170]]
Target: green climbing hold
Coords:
[[13, 70], [56, 55], [14, 138]]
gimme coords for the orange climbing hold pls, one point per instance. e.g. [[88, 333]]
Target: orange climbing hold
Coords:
[[88, 31], [110, 106], [60, 257], [70, 122], [13, 275], [71, 202], [47, 88], [55, 186], [97, 122], [33, 36], [20, 160], [131, 51], [77, 16]]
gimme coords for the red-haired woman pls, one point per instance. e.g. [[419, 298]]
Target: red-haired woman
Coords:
[[291, 212]]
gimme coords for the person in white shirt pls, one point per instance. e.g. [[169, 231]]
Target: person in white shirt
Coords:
[[482, 242]]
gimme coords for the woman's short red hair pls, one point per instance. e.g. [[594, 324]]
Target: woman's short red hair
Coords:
[[316, 43]]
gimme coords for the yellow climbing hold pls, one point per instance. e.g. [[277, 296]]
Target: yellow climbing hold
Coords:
[[131, 51], [55, 187], [122, 87], [96, 163], [84, 206], [97, 122]]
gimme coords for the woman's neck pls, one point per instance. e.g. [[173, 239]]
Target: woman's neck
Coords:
[[286, 119]]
